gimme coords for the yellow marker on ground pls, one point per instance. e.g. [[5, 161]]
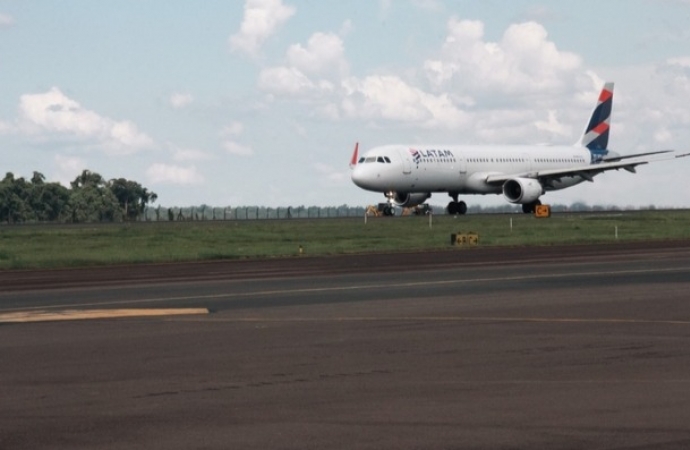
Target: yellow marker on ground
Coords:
[[542, 211]]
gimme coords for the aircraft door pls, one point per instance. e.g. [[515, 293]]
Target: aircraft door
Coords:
[[462, 165], [406, 161]]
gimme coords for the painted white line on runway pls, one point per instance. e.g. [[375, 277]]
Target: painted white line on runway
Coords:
[[545, 320], [332, 289]]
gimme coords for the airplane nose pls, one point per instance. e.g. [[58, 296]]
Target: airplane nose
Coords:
[[357, 175], [363, 176]]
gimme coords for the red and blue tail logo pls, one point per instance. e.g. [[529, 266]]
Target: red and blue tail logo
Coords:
[[596, 135]]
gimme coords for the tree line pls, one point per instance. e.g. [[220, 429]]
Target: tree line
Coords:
[[90, 198]]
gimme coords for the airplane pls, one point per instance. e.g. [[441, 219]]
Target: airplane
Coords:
[[408, 174]]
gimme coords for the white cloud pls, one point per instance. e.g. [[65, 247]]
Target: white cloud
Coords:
[[6, 21], [389, 97], [160, 173], [235, 148], [190, 154], [331, 174], [552, 125], [310, 71], [229, 133], [346, 28], [431, 5], [54, 114], [233, 129], [682, 61], [542, 13], [67, 168], [663, 136], [317, 72], [323, 55], [650, 107], [284, 81], [179, 100], [385, 7], [524, 61], [677, 73], [261, 19]]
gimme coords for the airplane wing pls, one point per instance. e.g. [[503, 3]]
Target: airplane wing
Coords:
[[636, 155], [586, 171]]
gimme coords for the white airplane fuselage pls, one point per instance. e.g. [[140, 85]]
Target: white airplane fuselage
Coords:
[[462, 169]]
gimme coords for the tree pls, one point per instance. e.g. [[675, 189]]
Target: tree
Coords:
[[87, 178], [46, 201], [132, 197], [93, 204], [49, 201], [92, 201], [38, 179], [14, 193]]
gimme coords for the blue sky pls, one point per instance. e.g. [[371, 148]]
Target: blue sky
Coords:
[[261, 101]]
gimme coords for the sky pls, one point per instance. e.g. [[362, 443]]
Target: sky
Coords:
[[261, 102]]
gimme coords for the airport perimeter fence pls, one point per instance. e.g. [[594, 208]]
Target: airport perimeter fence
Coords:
[[248, 213], [209, 213]]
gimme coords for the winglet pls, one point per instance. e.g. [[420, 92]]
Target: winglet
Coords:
[[355, 156]]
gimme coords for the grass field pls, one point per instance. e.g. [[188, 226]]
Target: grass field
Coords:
[[49, 246]]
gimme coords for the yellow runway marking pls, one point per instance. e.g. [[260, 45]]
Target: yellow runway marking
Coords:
[[75, 314]]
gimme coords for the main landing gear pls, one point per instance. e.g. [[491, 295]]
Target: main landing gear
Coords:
[[528, 208], [455, 207]]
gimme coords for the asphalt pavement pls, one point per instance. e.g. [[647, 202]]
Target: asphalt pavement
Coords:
[[559, 348]]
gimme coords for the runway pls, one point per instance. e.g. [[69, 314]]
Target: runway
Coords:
[[560, 348]]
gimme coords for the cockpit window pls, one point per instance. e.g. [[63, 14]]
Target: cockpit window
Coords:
[[361, 160], [376, 159]]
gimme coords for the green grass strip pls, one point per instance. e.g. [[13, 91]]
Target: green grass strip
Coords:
[[52, 246]]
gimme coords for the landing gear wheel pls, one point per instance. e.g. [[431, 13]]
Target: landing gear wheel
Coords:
[[455, 208], [462, 208], [529, 208], [388, 211]]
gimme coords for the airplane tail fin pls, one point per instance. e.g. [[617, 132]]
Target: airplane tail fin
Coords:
[[355, 156], [596, 134]]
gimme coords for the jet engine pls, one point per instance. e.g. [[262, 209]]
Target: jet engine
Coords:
[[522, 190], [406, 199]]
